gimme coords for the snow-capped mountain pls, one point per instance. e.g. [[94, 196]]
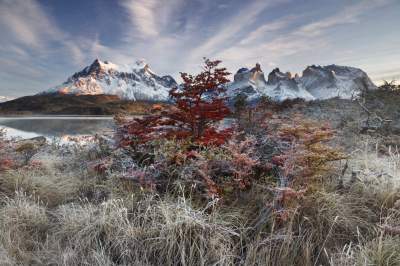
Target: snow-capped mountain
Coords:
[[316, 82], [134, 82]]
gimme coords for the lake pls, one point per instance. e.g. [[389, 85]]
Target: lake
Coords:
[[52, 127], [64, 128]]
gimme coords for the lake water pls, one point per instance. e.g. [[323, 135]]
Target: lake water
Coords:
[[56, 126], [65, 128]]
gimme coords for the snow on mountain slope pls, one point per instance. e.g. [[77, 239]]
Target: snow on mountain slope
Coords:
[[252, 83], [316, 83], [335, 81], [134, 82], [284, 86]]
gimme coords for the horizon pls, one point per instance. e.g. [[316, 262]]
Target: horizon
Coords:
[[45, 41]]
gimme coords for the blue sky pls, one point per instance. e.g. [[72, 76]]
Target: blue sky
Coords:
[[44, 41]]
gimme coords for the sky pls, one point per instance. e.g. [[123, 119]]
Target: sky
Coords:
[[44, 41]]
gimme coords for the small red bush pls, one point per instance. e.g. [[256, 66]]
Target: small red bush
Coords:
[[198, 107]]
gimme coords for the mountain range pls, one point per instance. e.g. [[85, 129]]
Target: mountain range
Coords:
[[138, 82], [315, 83]]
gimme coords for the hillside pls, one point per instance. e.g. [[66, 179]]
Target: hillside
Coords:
[[52, 104]]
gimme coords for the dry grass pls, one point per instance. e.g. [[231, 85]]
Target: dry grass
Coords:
[[24, 224], [51, 189], [154, 232], [60, 214]]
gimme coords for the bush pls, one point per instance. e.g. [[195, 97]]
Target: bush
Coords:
[[198, 107]]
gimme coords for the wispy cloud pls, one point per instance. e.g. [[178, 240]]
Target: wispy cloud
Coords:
[[5, 98], [309, 37], [28, 24], [28, 28], [350, 14], [32, 42], [230, 28], [143, 16], [151, 18], [270, 27]]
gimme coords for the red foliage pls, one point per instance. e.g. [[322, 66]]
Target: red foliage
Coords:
[[6, 164], [198, 107]]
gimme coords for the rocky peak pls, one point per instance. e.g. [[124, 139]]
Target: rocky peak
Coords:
[[257, 68], [276, 76]]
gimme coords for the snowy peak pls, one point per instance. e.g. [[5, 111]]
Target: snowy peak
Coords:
[[134, 81], [316, 82]]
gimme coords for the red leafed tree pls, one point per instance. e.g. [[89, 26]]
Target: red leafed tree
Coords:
[[199, 106]]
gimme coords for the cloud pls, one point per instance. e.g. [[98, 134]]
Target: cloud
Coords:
[[33, 48], [275, 26], [27, 23], [350, 14], [151, 18], [5, 98], [29, 29], [229, 29], [309, 37], [143, 15]]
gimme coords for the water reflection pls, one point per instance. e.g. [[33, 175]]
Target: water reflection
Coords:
[[27, 127]]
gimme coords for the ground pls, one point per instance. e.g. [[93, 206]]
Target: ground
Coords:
[[99, 204]]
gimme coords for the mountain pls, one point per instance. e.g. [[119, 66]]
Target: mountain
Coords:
[[335, 81], [316, 82], [133, 82]]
